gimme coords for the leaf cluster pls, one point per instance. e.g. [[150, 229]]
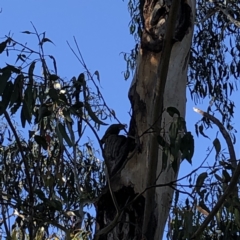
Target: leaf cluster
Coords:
[[51, 174]]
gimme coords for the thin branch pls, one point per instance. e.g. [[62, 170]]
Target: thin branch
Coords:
[[81, 60], [180, 191], [234, 179], [189, 174], [27, 171], [5, 222], [108, 179], [224, 133], [24, 46], [208, 15], [228, 15]]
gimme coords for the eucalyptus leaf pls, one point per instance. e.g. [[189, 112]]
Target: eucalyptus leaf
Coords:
[[64, 134], [3, 45], [41, 141], [200, 180], [30, 72], [217, 146], [53, 94], [4, 77], [93, 115], [161, 141]]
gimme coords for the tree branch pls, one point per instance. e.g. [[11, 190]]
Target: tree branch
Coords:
[[224, 133], [233, 181], [230, 18], [27, 171]]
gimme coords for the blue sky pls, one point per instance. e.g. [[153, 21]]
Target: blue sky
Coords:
[[102, 32]]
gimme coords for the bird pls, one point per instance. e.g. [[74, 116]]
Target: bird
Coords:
[[115, 148], [114, 129]]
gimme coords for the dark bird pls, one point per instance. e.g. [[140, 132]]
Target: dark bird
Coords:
[[114, 129]]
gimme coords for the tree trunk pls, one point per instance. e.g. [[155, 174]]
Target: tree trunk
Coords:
[[132, 179]]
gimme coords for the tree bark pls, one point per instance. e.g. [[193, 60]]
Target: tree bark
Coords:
[[132, 179]]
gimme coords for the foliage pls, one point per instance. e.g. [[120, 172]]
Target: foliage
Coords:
[[214, 60], [176, 140], [210, 185], [51, 173]]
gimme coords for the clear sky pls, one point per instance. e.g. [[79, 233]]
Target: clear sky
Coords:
[[102, 31]]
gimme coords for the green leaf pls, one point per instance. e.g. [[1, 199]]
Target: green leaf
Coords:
[[7, 94], [27, 32], [3, 45], [217, 146], [172, 110], [126, 74], [63, 133], [226, 175], [13, 69], [161, 141], [54, 63], [174, 150], [25, 114], [67, 116], [6, 74], [20, 57], [17, 90], [196, 129], [188, 224], [16, 106], [45, 40], [200, 128], [69, 123], [53, 77], [2, 108], [97, 74], [81, 79], [77, 106], [187, 147], [29, 101], [40, 194], [30, 72], [181, 124], [175, 165], [173, 131], [164, 159], [53, 94], [70, 130], [63, 98], [60, 137], [43, 112], [23, 118], [218, 177], [31, 133], [200, 180], [41, 141], [55, 204], [92, 114]]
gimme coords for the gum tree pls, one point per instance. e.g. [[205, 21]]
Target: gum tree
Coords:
[[49, 176], [159, 83], [167, 61]]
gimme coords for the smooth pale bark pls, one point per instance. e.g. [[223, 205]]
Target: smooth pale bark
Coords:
[[141, 96]]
